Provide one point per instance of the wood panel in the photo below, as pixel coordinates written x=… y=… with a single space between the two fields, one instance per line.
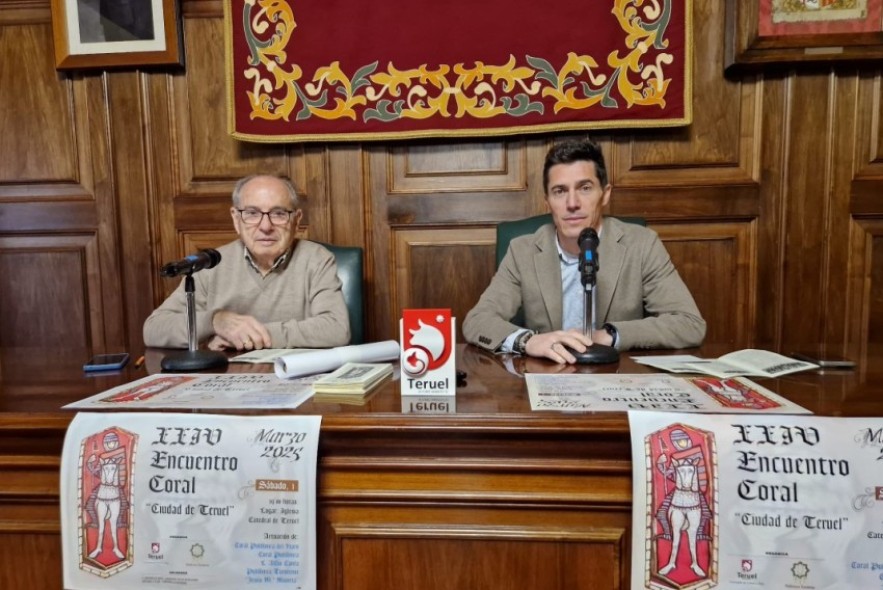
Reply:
x=441 y=268
x=452 y=556
x=712 y=256
x=52 y=293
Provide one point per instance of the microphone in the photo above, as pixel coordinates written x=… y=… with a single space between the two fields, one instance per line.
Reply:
x=205 y=258
x=588 y=255
x=596 y=354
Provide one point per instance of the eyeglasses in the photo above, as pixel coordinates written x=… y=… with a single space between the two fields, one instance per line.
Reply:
x=256 y=216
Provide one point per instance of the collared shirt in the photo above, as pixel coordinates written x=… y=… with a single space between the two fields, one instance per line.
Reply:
x=573 y=307
x=278 y=263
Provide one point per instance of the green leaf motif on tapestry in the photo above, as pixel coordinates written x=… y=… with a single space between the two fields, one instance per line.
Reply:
x=547 y=72
x=607 y=101
x=522 y=106
x=382 y=112
x=305 y=113
x=360 y=78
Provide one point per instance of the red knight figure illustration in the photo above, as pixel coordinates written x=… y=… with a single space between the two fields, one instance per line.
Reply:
x=732 y=393
x=682 y=491
x=105 y=500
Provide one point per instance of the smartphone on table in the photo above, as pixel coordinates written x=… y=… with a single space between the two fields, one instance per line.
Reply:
x=107 y=362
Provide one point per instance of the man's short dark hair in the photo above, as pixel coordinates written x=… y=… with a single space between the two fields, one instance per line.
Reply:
x=573 y=150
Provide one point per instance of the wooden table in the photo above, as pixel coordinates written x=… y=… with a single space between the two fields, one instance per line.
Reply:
x=474 y=492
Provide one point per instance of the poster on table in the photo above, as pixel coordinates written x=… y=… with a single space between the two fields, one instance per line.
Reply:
x=162 y=501
x=586 y=392
x=191 y=391
x=750 y=501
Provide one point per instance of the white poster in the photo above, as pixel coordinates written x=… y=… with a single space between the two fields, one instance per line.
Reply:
x=191 y=391
x=582 y=392
x=748 y=501
x=171 y=501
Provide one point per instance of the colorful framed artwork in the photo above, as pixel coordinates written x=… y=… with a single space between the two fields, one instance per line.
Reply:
x=115 y=33
x=794 y=31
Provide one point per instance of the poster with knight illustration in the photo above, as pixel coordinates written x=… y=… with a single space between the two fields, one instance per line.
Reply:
x=736 y=501
x=171 y=501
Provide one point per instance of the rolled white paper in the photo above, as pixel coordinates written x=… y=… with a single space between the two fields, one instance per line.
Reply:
x=324 y=361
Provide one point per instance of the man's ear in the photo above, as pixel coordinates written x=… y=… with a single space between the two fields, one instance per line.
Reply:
x=608 y=191
x=236 y=218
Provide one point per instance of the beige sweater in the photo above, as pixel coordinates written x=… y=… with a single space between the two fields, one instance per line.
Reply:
x=300 y=303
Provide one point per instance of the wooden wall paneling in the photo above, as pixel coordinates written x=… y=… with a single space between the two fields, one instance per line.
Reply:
x=476 y=188
x=720 y=147
x=869 y=146
x=209 y=158
x=32 y=94
x=845 y=117
x=773 y=147
x=865 y=320
x=716 y=261
x=452 y=556
x=444 y=268
x=129 y=124
x=18 y=549
x=808 y=168
x=55 y=296
x=107 y=207
x=404 y=196
x=53 y=183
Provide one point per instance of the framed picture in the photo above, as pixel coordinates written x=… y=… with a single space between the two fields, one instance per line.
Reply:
x=115 y=33
x=762 y=32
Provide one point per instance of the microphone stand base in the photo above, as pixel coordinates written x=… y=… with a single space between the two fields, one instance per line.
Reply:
x=596 y=354
x=193 y=360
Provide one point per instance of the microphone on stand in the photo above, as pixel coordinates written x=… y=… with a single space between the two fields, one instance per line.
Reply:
x=596 y=354
x=192 y=359
x=206 y=258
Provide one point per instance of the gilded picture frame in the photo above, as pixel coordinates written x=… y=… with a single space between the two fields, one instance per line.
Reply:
x=116 y=33
x=787 y=32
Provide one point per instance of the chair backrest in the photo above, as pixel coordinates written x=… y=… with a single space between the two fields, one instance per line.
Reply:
x=349 y=271
x=506 y=230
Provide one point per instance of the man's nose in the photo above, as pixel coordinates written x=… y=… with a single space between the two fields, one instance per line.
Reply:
x=572 y=200
x=265 y=225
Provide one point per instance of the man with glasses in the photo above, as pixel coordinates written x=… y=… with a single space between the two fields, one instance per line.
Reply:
x=270 y=290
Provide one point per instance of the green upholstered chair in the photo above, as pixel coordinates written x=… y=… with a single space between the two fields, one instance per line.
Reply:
x=506 y=230
x=349 y=270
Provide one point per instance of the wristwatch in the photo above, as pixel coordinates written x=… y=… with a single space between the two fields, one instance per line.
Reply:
x=611 y=329
x=520 y=344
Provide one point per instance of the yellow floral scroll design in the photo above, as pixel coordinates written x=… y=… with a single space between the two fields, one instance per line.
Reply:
x=482 y=91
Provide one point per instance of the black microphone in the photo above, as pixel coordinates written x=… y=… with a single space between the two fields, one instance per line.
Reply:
x=206 y=258
x=588 y=255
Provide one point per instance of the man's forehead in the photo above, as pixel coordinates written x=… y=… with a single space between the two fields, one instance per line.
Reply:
x=265 y=192
x=579 y=170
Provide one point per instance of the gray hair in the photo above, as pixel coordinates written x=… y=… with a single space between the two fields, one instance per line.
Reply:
x=237 y=190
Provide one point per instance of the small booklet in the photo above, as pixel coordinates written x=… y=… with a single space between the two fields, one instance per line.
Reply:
x=353 y=378
x=266 y=355
x=749 y=362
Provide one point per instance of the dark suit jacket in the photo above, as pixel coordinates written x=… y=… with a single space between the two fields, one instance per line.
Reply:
x=638 y=290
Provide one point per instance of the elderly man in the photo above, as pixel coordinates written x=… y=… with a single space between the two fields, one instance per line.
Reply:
x=270 y=290
x=642 y=301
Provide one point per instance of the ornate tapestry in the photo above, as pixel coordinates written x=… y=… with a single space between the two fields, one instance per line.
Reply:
x=341 y=70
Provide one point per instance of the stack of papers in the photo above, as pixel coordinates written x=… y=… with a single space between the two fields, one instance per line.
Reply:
x=353 y=378
x=749 y=362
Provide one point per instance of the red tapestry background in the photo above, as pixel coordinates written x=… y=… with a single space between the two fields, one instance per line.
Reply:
x=345 y=70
